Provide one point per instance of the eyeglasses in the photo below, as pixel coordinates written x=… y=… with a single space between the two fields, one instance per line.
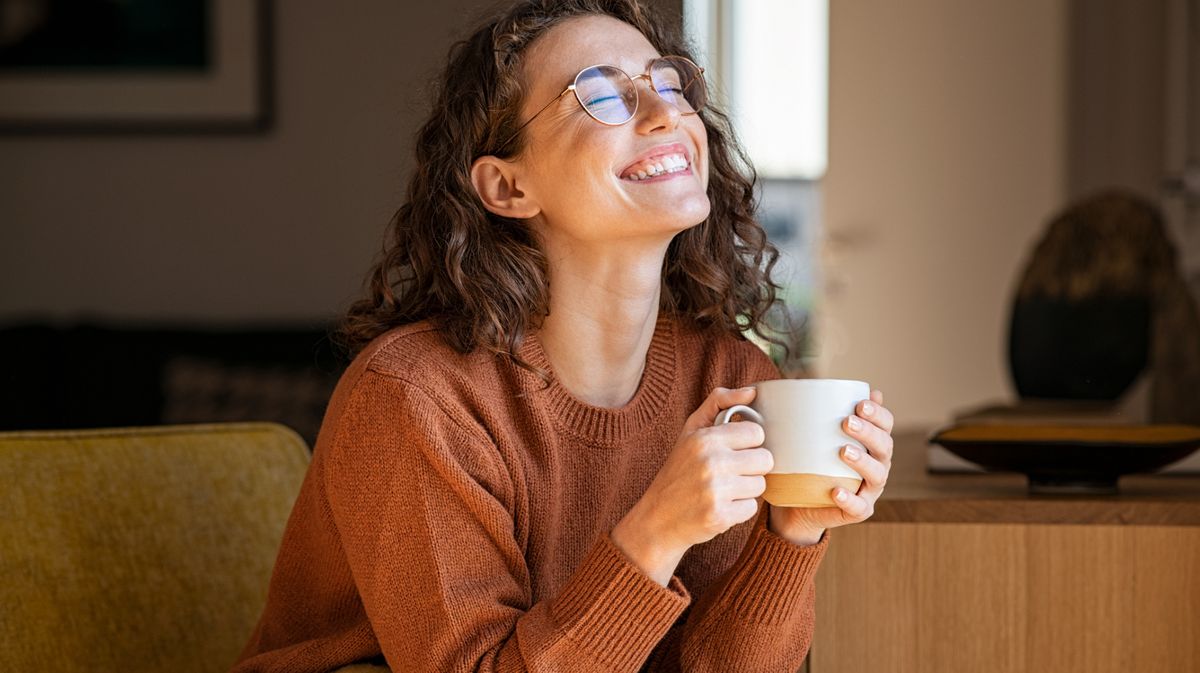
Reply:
x=609 y=95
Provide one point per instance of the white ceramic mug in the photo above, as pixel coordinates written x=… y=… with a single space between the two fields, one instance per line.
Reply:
x=802 y=420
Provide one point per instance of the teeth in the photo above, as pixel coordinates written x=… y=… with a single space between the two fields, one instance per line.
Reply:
x=672 y=163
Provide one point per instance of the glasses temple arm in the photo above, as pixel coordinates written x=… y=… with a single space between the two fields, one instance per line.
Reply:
x=529 y=121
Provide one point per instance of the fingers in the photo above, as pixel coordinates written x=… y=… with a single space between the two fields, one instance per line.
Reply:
x=876 y=413
x=736 y=435
x=877 y=440
x=753 y=461
x=856 y=507
x=737 y=447
x=748 y=487
x=851 y=507
x=874 y=473
x=743 y=510
x=718 y=399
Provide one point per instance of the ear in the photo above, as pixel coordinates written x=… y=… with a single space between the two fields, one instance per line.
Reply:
x=495 y=181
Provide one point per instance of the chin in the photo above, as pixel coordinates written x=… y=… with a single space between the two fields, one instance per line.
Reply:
x=671 y=217
x=678 y=222
x=692 y=211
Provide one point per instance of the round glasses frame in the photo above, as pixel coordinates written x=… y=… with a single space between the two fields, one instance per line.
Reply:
x=574 y=88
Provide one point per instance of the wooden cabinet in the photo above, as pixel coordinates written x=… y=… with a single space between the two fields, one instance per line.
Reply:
x=962 y=573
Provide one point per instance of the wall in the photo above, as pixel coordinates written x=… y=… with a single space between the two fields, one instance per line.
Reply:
x=278 y=227
x=220 y=229
x=947 y=155
x=1117 y=96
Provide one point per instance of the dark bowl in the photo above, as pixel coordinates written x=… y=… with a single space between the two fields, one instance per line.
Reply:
x=1071 y=459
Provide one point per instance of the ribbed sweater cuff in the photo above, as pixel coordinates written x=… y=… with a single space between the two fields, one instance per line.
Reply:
x=769 y=578
x=616 y=611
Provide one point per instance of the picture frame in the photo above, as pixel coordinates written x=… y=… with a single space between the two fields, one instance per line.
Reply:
x=227 y=90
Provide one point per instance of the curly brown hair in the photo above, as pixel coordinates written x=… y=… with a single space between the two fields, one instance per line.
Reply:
x=481 y=278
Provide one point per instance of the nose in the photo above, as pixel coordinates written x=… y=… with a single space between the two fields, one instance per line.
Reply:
x=654 y=113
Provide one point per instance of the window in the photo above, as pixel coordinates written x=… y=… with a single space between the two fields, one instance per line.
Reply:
x=768 y=65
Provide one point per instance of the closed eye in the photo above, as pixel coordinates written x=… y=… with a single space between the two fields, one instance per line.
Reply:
x=602 y=100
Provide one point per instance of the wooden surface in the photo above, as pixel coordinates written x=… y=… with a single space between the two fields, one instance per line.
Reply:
x=958 y=573
x=929 y=598
x=1105 y=434
x=914 y=496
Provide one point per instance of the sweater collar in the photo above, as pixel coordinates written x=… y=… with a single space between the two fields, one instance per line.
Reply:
x=600 y=425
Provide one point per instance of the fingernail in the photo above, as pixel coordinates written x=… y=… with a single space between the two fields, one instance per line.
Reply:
x=855 y=424
x=841 y=496
x=868 y=408
x=852 y=453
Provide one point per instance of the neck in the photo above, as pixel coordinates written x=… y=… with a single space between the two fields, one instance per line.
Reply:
x=603 y=310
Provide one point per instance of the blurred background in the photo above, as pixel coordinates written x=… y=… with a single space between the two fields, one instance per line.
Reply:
x=183 y=217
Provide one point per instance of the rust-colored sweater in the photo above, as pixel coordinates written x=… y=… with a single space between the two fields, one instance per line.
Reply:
x=456 y=514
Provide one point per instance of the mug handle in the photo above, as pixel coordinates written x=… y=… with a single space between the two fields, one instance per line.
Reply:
x=724 y=416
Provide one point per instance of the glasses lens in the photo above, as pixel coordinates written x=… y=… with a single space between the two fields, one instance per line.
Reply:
x=607 y=94
x=680 y=82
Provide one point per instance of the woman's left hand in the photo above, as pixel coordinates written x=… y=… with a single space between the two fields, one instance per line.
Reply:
x=872 y=426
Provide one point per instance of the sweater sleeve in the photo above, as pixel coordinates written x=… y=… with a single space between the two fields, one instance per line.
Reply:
x=759 y=615
x=423 y=505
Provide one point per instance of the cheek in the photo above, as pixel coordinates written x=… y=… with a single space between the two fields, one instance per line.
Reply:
x=580 y=161
x=570 y=189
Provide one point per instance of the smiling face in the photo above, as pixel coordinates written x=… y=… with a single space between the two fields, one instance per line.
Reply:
x=592 y=182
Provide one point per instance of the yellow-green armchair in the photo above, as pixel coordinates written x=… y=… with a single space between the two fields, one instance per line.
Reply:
x=140 y=549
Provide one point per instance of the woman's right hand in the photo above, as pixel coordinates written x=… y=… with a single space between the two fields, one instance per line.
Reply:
x=707 y=485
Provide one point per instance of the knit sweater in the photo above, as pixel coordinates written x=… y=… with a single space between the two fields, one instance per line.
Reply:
x=456 y=517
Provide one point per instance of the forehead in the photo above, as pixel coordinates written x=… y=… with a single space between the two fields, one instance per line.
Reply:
x=554 y=58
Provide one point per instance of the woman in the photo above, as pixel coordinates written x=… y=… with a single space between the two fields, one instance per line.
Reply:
x=519 y=471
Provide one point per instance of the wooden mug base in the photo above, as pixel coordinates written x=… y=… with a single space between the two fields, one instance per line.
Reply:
x=805 y=490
